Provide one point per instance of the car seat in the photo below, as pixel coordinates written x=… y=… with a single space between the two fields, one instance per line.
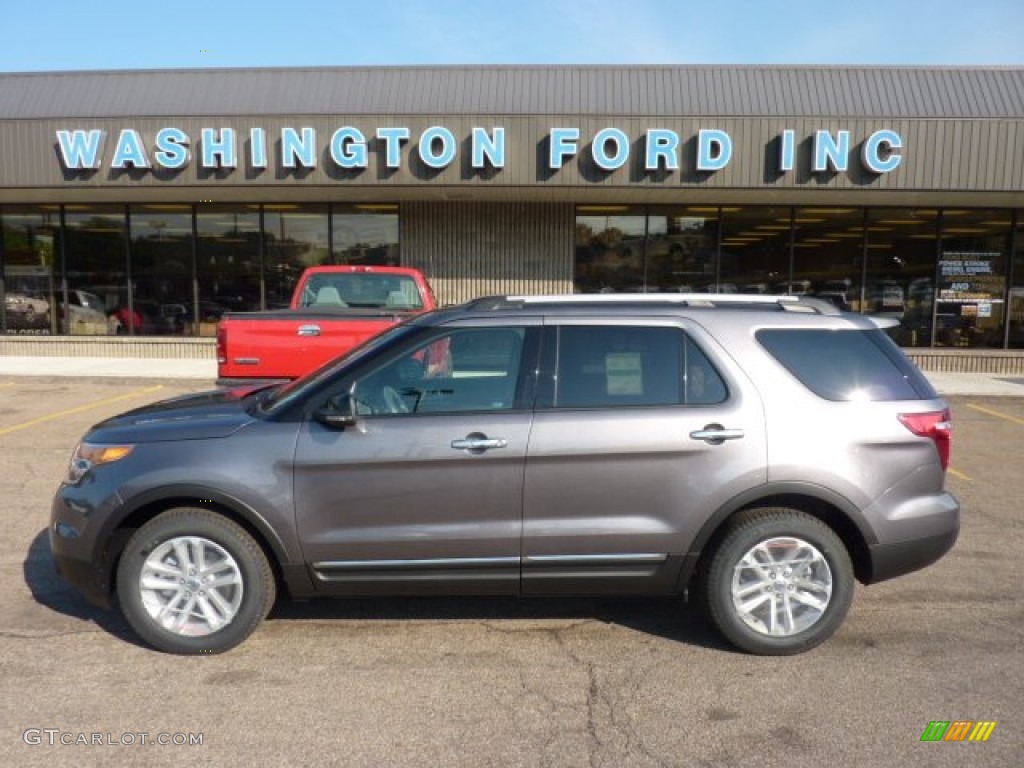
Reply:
x=328 y=296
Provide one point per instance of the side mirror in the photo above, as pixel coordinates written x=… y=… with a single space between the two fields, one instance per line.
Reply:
x=339 y=413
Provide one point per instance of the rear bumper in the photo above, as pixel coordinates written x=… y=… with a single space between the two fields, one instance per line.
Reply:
x=911 y=533
x=891 y=560
x=234 y=383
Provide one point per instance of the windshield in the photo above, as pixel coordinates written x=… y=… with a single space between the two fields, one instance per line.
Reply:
x=91 y=301
x=285 y=394
x=364 y=290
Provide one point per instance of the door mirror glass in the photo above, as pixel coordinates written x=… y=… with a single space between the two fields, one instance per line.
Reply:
x=339 y=412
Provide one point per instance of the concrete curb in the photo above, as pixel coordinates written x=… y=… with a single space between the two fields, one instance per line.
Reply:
x=979 y=384
x=113 y=367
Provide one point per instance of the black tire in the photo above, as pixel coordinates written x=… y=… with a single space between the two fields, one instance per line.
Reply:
x=230 y=553
x=778 y=525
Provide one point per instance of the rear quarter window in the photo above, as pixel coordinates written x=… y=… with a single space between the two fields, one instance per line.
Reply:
x=848 y=365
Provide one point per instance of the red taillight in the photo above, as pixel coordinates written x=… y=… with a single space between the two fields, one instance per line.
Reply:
x=222 y=346
x=935 y=425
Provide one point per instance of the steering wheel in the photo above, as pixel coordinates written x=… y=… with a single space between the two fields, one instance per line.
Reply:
x=394 y=401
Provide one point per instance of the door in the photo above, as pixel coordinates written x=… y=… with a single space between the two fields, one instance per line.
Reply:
x=639 y=436
x=424 y=493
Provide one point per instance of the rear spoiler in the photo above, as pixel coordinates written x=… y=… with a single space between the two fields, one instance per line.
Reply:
x=882 y=322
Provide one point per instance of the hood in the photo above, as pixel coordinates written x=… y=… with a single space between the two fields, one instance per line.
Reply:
x=200 y=416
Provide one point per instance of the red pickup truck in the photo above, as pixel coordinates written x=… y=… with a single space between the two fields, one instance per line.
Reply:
x=333 y=310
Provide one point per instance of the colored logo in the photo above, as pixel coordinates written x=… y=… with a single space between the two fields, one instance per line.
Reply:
x=958 y=730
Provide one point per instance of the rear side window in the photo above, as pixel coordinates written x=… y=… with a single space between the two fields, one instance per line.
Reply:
x=612 y=366
x=847 y=365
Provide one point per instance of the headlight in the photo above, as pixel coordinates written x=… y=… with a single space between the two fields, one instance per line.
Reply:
x=87 y=456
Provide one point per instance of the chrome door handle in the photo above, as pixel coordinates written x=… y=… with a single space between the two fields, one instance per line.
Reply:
x=479 y=444
x=716 y=434
x=308 y=330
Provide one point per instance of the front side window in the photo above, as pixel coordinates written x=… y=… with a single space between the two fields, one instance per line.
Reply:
x=465 y=369
x=614 y=366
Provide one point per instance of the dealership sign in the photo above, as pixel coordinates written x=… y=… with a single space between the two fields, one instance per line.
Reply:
x=437 y=147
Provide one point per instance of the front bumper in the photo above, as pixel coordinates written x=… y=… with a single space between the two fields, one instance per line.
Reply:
x=80 y=555
x=83 y=576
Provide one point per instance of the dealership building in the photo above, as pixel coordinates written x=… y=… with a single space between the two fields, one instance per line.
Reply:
x=177 y=195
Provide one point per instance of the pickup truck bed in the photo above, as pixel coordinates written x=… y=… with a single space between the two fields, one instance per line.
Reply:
x=291 y=342
x=333 y=309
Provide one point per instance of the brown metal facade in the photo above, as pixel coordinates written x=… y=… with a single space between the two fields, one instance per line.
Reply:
x=962 y=132
x=479 y=249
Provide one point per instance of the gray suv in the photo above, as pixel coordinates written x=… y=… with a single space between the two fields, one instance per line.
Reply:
x=759 y=453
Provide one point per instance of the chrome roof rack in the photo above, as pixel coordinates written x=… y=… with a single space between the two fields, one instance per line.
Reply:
x=722 y=300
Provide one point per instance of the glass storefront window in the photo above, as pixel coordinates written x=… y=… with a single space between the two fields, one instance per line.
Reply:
x=28 y=248
x=755 y=251
x=610 y=249
x=828 y=249
x=161 y=270
x=972 y=277
x=229 y=269
x=95 y=257
x=294 y=237
x=167 y=280
x=901 y=246
x=681 y=249
x=365 y=234
x=945 y=274
x=1015 y=312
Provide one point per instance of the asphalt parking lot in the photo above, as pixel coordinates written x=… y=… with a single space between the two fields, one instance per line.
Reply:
x=482 y=682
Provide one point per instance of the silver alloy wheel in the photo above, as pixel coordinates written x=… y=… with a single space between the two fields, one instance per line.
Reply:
x=191 y=586
x=781 y=586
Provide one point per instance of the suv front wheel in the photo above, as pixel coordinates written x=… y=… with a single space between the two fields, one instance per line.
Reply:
x=780 y=582
x=190 y=581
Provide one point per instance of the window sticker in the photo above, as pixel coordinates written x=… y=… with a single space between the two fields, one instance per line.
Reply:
x=624 y=373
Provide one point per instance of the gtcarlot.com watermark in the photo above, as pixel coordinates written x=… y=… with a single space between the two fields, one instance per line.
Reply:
x=55 y=737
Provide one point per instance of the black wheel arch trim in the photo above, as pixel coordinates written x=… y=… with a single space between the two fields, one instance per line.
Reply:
x=198 y=494
x=766 y=493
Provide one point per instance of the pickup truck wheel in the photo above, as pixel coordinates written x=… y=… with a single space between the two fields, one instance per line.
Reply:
x=779 y=583
x=394 y=400
x=191 y=581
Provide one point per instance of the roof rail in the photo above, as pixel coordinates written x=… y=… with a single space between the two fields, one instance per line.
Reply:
x=786 y=303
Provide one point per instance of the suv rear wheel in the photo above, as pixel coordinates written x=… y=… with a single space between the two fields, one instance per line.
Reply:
x=191 y=581
x=780 y=582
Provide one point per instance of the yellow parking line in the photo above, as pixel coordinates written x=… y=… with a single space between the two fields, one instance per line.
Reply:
x=1006 y=416
x=957 y=474
x=79 y=409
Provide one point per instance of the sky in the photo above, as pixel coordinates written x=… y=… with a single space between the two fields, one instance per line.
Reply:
x=113 y=34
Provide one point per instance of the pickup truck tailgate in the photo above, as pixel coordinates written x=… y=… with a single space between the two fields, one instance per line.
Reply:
x=286 y=344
